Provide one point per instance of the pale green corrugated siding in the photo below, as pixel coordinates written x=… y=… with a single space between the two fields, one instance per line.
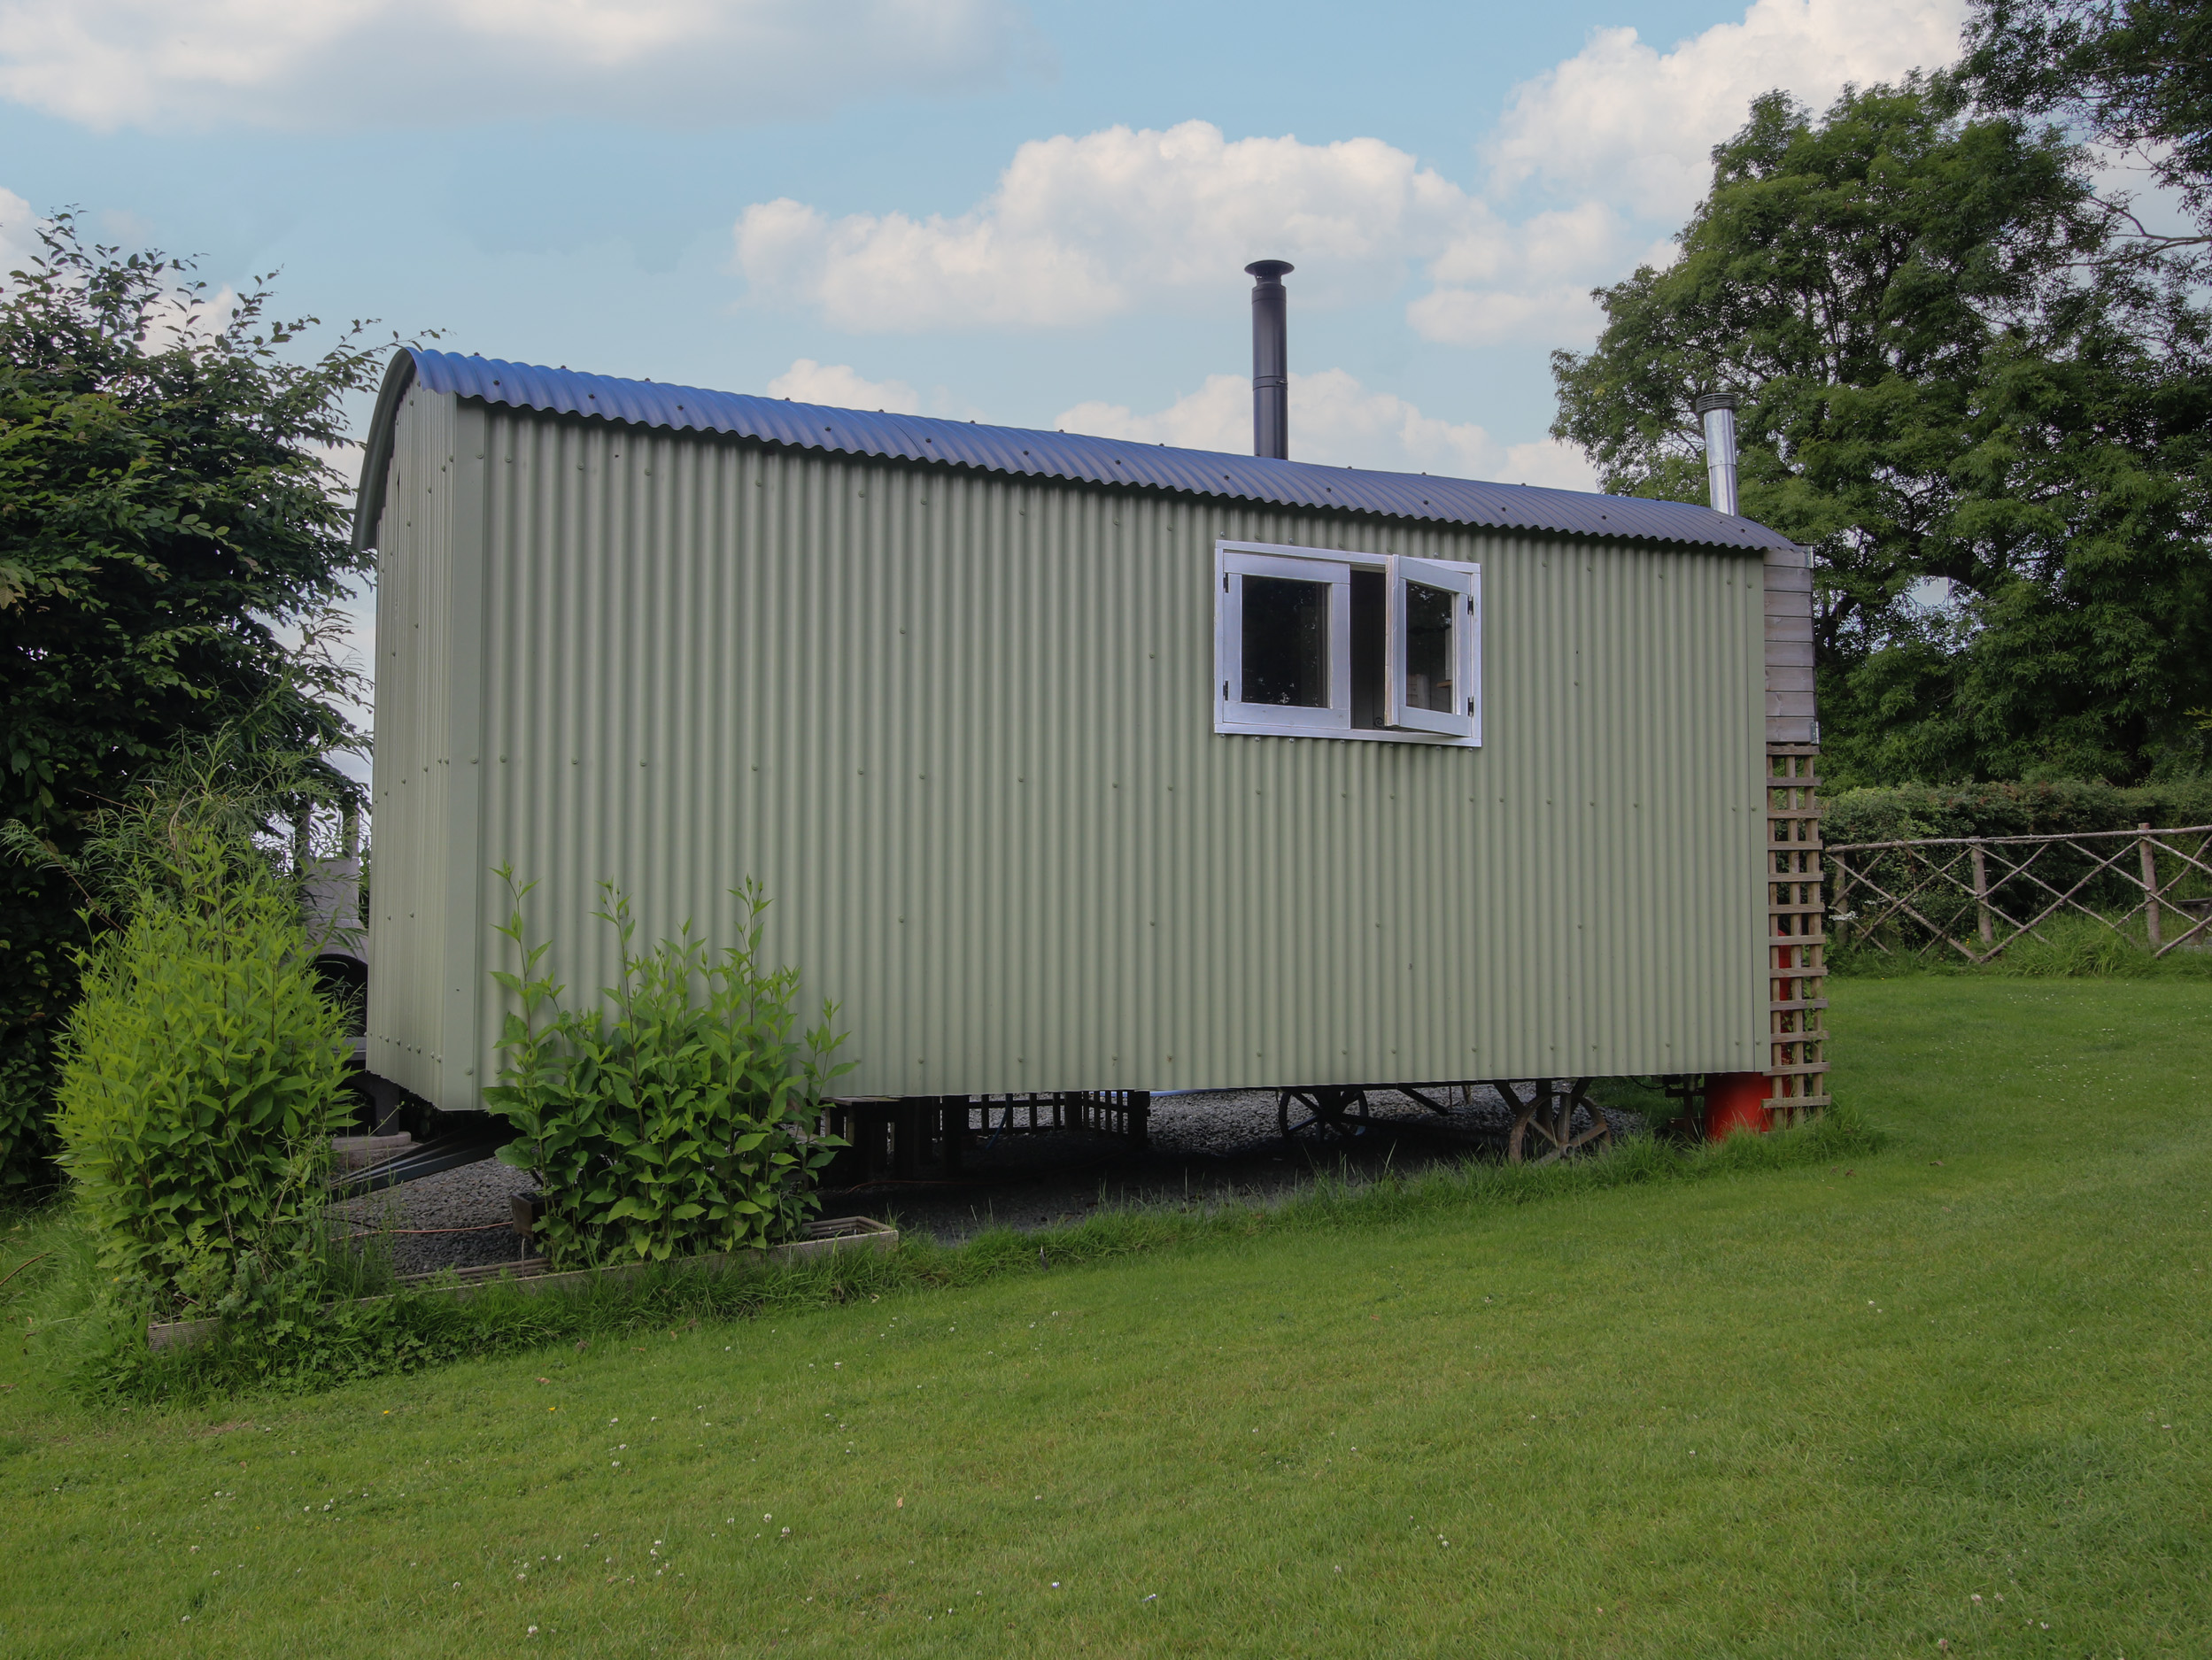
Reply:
x=412 y=802
x=961 y=725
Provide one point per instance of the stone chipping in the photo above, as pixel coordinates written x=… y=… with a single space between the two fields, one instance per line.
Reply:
x=1206 y=1147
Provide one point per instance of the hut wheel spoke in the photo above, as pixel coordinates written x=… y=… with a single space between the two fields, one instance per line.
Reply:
x=1553 y=1124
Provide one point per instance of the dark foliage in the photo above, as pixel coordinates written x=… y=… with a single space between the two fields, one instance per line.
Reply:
x=2133 y=74
x=1988 y=416
x=165 y=511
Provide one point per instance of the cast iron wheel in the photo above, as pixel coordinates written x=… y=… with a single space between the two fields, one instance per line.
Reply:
x=1554 y=1124
x=1328 y=1111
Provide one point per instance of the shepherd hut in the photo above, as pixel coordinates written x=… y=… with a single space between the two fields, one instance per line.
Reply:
x=1077 y=766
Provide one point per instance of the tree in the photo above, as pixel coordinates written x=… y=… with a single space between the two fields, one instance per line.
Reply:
x=166 y=514
x=1989 y=424
x=2132 y=74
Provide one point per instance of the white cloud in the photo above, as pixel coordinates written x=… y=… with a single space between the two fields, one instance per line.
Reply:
x=1562 y=241
x=175 y=316
x=1530 y=282
x=1083 y=228
x=183 y=315
x=1080 y=229
x=335 y=63
x=1560 y=315
x=18 y=234
x=1337 y=421
x=840 y=386
x=1630 y=125
x=1216 y=416
x=1548 y=462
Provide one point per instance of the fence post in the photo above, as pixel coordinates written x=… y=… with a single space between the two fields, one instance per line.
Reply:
x=1987 y=922
x=2148 y=848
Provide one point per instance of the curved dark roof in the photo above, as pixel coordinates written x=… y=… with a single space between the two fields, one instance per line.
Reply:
x=1015 y=451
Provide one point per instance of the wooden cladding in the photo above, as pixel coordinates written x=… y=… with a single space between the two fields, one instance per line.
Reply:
x=1790 y=705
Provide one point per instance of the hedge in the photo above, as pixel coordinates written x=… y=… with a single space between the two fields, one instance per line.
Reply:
x=1915 y=811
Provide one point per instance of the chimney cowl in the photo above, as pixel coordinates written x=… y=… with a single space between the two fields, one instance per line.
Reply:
x=1271 y=358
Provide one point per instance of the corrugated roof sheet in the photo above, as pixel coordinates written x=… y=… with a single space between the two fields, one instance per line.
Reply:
x=1075 y=457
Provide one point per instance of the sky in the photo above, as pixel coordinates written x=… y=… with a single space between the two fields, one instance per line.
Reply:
x=1034 y=213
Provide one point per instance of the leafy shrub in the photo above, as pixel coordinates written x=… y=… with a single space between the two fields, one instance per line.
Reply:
x=169 y=518
x=675 y=1122
x=202 y=1079
x=1916 y=812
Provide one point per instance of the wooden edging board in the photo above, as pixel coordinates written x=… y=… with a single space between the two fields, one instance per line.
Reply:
x=823 y=1238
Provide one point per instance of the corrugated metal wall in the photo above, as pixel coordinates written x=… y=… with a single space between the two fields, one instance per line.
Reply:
x=959 y=725
x=412 y=805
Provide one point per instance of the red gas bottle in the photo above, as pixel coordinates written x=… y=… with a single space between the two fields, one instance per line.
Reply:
x=1735 y=1100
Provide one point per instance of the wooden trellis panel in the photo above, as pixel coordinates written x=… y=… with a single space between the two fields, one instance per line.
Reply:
x=1796 y=941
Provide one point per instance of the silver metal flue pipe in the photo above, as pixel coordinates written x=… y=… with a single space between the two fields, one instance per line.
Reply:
x=1717 y=410
x=1271 y=358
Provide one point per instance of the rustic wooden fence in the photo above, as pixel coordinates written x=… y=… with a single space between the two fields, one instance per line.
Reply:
x=1979 y=894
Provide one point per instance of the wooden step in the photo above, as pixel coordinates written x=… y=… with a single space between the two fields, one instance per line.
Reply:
x=357 y=1153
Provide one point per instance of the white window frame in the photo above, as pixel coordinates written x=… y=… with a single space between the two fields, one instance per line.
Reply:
x=1334 y=566
x=1313 y=722
x=1462 y=583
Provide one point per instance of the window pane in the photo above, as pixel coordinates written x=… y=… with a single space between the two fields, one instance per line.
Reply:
x=1429 y=613
x=1286 y=642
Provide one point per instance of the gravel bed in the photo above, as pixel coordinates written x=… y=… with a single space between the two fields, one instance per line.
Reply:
x=1207 y=1147
x=466 y=1197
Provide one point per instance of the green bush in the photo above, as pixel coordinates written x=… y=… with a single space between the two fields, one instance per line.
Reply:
x=167 y=519
x=1916 y=812
x=677 y=1121
x=202 y=1079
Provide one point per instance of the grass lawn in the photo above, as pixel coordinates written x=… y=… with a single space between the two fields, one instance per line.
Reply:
x=1960 y=1391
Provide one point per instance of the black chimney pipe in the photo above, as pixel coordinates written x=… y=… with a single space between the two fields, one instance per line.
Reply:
x=1271 y=358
